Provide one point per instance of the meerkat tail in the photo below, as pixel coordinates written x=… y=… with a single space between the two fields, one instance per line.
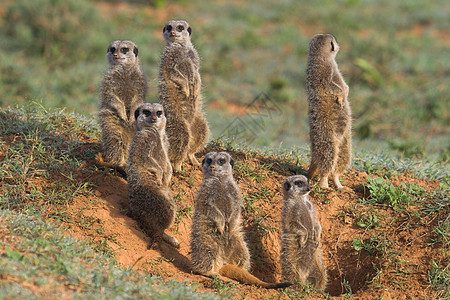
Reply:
x=171 y=240
x=245 y=277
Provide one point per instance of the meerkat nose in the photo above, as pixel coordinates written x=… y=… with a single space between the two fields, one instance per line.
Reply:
x=212 y=167
x=172 y=33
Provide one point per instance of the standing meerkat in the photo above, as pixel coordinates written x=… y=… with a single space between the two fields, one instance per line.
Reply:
x=217 y=241
x=301 y=253
x=123 y=89
x=329 y=112
x=149 y=174
x=179 y=93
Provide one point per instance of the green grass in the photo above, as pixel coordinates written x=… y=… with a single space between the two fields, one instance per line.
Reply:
x=393 y=56
x=39 y=261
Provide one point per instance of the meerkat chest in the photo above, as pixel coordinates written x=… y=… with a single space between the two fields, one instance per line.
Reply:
x=303 y=213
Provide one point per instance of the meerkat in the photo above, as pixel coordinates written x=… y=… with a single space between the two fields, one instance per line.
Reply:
x=123 y=89
x=301 y=253
x=328 y=111
x=217 y=240
x=149 y=174
x=179 y=93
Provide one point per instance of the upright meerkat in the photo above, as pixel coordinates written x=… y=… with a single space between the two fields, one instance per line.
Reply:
x=329 y=112
x=217 y=241
x=301 y=253
x=149 y=174
x=179 y=93
x=123 y=89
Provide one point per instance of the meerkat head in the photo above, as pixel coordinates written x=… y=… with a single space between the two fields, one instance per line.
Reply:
x=177 y=31
x=296 y=186
x=150 y=115
x=217 y=164
x=324 y=45
x=122 y=53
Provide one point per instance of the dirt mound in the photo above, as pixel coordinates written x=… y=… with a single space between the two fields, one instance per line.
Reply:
x=103 y=218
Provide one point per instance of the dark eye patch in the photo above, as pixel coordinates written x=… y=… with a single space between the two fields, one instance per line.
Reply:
x=287 y=186
x=180 y=28
x=159 y=113
x=169 y=28
x=146 y=112
x=209 y=161
x=299 y=183
x=222 y=161
x=124 y=50
x=112 y=50
x=332 y=46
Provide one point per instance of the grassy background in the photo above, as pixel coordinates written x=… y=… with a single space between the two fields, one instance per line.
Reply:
x=394 y=56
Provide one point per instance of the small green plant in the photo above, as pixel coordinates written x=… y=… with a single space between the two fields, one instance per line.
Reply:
x=385 y=193
x=439 y=277
x=368 y=220
x=226 y=289
x=441 y=233
x=373 y=245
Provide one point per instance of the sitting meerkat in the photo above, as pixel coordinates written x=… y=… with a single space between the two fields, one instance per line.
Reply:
x=149 y=174
x=328 y=111
x=301 y=253
x=179 y=93
x=123 y=89
x=217 y=241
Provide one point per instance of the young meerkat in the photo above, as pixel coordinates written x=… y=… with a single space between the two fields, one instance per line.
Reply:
x=217 y=241
x=328 y=111
x=149 y=174
x=123 y=89
x=179 y=93
x=301 y=253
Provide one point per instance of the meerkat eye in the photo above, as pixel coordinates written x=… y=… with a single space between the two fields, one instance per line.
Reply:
x=169 y=28
x=112 y=50
x=299 y=183
x=159 y=113
x=221 y=161
x=146 y=112
x=180 y=28
x=209 y=161
x=124 y=50
x=332 y=46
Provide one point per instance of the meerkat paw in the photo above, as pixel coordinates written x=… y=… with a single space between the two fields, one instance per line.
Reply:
x=177 y=166
x=193 y=160
x=323 y=182
x=336 y=182
x=171 y=240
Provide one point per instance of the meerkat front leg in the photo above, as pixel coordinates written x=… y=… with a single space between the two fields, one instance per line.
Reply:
x=302 y=234
x=182 y=82
x=119 y=107
x=217 y=217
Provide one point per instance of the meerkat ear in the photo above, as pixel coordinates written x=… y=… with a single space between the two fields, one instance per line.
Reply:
x=203 y=162
x=164 y=29
x=189 y=30
x=287 y=186
x=107 y=50
x=136 y=51
x=232 y=163
x=136 y=114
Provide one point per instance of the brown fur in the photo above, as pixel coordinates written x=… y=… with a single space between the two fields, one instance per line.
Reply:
x=179 y=93
x=149 y=174
x=217 y=241
x=329 y=112
x=123 y=89
x=301 y=253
